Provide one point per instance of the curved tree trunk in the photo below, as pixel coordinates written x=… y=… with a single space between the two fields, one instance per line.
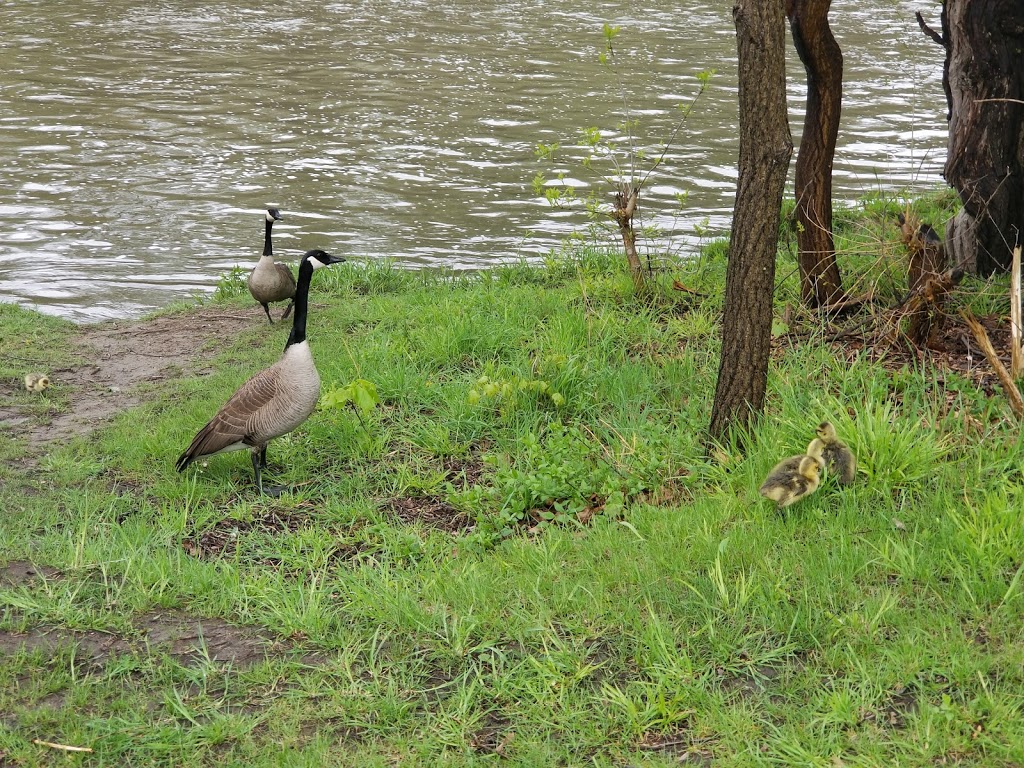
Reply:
x=820 y=281
x=984 y=42
x=765 y=149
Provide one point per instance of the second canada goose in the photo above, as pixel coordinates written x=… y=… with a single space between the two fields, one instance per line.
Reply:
x=36 y=382
x=274 y=401
x=794 y=478
x=269 y=281
x=836 y=454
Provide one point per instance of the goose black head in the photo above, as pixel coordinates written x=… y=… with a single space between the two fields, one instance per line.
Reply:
x=318 y=258
x=273 y=214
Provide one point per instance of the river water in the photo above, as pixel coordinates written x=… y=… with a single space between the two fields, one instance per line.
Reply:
x=140 y=142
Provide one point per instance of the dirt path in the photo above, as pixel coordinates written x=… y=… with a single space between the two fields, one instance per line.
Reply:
x=120 y=356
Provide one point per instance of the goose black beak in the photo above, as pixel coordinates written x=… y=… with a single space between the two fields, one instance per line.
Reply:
x=335 y=259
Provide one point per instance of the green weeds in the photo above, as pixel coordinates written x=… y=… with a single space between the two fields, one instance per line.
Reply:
x=514 y=578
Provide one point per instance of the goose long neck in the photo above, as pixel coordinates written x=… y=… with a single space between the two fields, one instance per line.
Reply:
x=298 y=334
x=268 y=246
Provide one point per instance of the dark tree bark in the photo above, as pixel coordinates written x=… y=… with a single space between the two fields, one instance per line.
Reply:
x=984 y=69
x=765 y=149
x=626 y=201
x=820 y=281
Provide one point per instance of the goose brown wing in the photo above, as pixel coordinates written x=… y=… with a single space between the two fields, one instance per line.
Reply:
x=234 y=422
x=286 y=280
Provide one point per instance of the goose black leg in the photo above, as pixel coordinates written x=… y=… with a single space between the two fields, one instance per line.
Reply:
x=288 y=310
x=259 y=462
x=256 y=468
x=266 y=308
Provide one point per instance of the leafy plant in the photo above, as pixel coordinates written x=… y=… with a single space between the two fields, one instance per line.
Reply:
x=629 y=169
x=360 y=393
x=231 y=284
x=564 y=475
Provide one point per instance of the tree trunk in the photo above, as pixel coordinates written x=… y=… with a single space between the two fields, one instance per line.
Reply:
x=820 y=281
x=984 y=41
x=626 y=201
x=765 y=149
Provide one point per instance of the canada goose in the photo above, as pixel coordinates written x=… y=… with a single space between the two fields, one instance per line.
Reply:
x=36 y=382
x=793 y=478
x=274 y=401
x=270 y=281
x=836 y=454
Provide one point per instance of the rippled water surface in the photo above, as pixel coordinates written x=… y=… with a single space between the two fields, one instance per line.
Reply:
x=140 y=144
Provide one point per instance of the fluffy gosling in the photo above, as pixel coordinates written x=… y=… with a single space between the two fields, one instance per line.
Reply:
x=836 y=454
x=794 y=478
x=36 y=382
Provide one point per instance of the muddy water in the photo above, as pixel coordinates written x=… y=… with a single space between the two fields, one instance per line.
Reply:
x=140 y=141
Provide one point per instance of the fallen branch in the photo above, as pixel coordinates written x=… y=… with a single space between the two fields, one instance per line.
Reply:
x=1009 y=385
x=63 y=747
x=847 y=302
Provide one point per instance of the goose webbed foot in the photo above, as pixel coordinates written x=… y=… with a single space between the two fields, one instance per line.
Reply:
x=259 y=463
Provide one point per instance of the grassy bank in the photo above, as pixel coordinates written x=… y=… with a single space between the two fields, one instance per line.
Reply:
x=521 y=555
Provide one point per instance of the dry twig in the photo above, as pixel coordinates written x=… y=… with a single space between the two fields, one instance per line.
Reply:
x=1009 y=385
x=63 y=747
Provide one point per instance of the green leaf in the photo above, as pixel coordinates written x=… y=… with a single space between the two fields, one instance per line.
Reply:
x=364 y=395
x=361 y=393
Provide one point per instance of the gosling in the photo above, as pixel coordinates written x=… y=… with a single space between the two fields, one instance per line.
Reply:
x=36 y=382
x=794 y=478
x=836 y=454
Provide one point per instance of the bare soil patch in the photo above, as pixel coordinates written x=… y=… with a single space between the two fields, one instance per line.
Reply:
x=494 y=737
x=122 y=355
x=91 y=647
x=188 y=639
x=434 y=511
x=431 y=511
x=680 y=745
x=19 y=573
x=466 y=472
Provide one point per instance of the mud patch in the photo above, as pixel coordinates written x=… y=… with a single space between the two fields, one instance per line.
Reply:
x=12 y=416
x=18 y=573
x=893 y=714
x=430 y=511
x=494 y=737
x=679 y=745
x=191 y=640
x=466 y=472
x=187 y=639
x=91 y=647
x=122 y=355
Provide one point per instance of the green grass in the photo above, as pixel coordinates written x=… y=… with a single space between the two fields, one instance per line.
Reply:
x=877 y=624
